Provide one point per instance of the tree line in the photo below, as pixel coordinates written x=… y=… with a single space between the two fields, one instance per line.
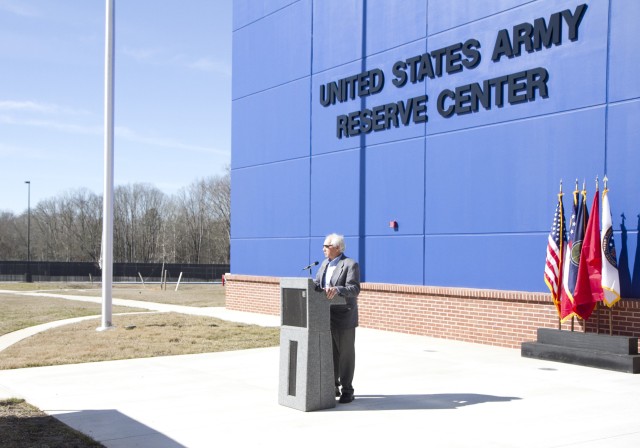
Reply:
x=149 y=226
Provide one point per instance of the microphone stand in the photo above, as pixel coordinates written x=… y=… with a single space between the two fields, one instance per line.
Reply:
x=308 y=268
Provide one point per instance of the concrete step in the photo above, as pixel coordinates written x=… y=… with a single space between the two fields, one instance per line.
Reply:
x=622 y=345
x=619 y=353
x=582 y=356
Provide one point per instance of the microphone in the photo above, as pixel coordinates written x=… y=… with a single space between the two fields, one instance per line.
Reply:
x=315 y=263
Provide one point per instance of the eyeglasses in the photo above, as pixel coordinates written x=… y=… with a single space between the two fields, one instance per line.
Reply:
x=327 y=246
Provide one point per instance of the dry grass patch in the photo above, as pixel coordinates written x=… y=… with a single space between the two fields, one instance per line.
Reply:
x=199 y=295
x=18 y=312
x=187 y=295
x=23 y=425
x=35 y=286
x=136 y=336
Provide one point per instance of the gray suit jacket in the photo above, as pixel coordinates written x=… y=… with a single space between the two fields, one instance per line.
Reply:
x=346 y=278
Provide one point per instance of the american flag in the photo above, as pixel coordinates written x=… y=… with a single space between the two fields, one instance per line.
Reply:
x=555 y=253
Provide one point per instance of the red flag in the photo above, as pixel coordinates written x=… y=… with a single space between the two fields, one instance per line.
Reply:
x=589 y=282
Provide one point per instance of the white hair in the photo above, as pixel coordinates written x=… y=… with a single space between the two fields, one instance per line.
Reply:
x=336 y=241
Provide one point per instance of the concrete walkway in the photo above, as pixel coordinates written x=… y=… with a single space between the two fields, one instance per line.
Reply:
x=410 y=391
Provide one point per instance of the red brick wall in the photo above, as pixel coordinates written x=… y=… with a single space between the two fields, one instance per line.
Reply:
x=502 y=318
x=252 y=294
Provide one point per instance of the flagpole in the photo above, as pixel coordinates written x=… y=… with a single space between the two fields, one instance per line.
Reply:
x=597 y=303
x=610 y=308
x=107 y=205
x=576 y=192
x=584 y=200
x=605 y=180
x=610 y=321
x=561 y=260
x=554 y=260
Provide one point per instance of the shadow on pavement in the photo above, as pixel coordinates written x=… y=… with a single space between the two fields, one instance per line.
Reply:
x=114 y=428
x=418 y=401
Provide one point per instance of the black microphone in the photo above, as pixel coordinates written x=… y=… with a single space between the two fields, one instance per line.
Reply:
x=315 y=263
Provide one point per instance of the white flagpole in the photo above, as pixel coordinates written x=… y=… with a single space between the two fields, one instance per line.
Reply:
x=107 y=205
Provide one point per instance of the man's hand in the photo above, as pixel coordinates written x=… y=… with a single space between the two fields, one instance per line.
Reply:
x=331 y=292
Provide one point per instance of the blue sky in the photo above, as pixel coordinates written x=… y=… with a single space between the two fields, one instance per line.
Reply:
x=172 y=95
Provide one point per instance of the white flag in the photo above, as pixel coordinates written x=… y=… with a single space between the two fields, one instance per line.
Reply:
x=610 y=277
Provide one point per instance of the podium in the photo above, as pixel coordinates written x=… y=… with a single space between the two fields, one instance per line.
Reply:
x=306 y=353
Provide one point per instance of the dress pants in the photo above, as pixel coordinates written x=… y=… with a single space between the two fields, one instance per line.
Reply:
x=344 y=357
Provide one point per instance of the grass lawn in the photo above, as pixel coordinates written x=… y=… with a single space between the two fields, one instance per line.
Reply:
x=135 y=336
x=18 y=312
x=188 y=294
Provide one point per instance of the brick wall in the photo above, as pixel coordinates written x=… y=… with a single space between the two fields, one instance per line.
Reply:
x=502 y=318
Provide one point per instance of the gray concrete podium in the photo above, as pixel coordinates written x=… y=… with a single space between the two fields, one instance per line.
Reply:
x=306 y=357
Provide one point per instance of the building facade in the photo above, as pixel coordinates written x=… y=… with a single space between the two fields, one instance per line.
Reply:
x=434 y=135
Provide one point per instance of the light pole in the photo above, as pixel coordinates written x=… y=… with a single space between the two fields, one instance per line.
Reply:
x=28 y=275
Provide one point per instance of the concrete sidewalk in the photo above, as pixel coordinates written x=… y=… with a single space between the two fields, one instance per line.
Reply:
x=410 y=390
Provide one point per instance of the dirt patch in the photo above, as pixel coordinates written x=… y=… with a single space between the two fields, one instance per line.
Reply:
x=23 y=425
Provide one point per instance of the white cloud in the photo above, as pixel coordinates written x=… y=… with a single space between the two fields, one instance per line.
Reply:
x=21 y=152
x=159 y=56
x=209 y=65
x=16 y=113
x=18 y=8
x=36 y=107
x=161 y=142
x=50 y=124
x=142 y=54
x=28 y=106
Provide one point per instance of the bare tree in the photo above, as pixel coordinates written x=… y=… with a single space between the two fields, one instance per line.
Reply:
x=219 y=195
x=192 y=226
x=48 y=235
x=87 y=225
x=171 y=234
x=138 y=223
x=193 y=204
x=11 y=247
x=201 y=227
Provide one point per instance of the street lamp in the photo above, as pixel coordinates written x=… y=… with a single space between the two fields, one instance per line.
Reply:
x=28 y=275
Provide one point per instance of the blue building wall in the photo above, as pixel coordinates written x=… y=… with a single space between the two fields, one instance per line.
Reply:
x=473 y=194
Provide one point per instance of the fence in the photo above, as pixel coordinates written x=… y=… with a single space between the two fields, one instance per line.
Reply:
x=53 y=271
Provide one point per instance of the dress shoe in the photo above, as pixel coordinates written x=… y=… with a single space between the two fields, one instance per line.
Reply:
x=346 y=398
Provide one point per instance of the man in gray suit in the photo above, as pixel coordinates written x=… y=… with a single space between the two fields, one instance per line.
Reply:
x=340 y=276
